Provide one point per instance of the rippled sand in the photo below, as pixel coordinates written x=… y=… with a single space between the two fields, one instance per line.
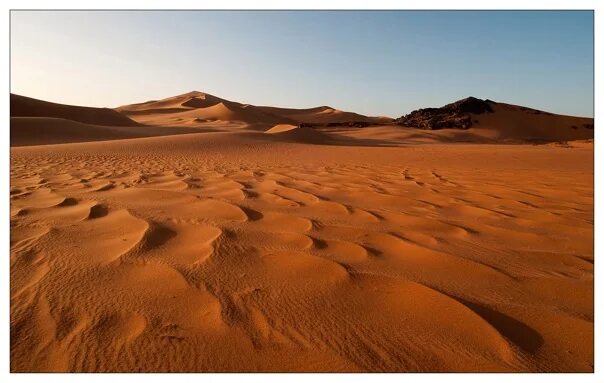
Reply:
x=239 y=252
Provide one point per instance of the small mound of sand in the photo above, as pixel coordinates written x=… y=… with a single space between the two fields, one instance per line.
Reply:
x=294 y=133
x=280 y=128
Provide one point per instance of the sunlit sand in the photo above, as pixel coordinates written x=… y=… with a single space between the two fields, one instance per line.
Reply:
x=199 y=234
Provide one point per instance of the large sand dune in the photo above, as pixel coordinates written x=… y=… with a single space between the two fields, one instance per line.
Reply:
x=500 y=122
x=196 y=108
x=21 y=106
x=37 y=122
x=292 y=248
x=520 y=123
x=47 y=130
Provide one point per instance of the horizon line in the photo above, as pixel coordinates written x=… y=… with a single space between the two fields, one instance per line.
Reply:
x=298 y=107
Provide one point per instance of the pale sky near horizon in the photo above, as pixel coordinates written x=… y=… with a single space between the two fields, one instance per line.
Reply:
x=370 y=62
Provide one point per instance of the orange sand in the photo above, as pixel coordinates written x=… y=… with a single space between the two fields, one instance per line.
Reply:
x=373 y=249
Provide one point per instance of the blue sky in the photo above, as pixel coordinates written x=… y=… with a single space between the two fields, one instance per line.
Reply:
x=371 y=62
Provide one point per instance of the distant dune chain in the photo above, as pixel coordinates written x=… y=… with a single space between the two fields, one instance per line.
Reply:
x=37 y=122
x=230 y=251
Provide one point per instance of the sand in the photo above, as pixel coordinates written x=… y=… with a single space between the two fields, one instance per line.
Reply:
x=21 y=106
x=198 y=108
x=374 y=249
x=517 y=123
x=26 y=131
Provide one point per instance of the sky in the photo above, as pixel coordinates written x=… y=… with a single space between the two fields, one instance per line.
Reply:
x=371 y=62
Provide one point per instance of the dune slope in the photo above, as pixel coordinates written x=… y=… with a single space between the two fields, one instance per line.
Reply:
x=196 y=108
x=25 y=131
x=293 y=133
x=21 y=106
x=322 y=115
x=500 y=121
x=516 y=122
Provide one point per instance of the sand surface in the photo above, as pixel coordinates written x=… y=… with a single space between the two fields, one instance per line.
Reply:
x=386 y=250
x=27 y=131
x=21 y=106
x=199 y=108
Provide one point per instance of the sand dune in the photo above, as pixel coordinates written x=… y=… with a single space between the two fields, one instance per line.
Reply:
x=227 y=111
x=197 y=108
x=500 y=122
x=201 y=112
x=21 y=106
x=322 y=114
x=37 y=122
x=47 y=130
x=242 y=251
x=293 y=133
x=187 y=100
x=282 y=128
x=520 y=123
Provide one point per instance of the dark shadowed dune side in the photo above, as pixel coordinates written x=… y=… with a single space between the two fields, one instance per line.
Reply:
x=323 y=115
x=27 y=131
x=522 y=123
x=21 y=106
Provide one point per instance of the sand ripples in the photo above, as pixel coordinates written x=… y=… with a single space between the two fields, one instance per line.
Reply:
x=169 y=267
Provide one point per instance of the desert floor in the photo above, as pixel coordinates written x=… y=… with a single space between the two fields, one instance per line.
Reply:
x=240 y=251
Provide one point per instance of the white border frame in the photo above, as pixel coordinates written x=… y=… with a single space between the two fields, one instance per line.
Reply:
x=597 y=6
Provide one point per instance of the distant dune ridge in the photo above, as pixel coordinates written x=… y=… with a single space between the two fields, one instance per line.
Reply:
x=323 y=114
x=198 y=107
x=36 y=122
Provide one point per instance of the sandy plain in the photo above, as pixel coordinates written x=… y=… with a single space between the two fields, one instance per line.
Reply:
x=332 y=249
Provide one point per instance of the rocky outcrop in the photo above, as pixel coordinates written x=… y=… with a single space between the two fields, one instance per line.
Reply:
x=457 y=115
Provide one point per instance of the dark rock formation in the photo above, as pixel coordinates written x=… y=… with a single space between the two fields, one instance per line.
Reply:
x=457 y=115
